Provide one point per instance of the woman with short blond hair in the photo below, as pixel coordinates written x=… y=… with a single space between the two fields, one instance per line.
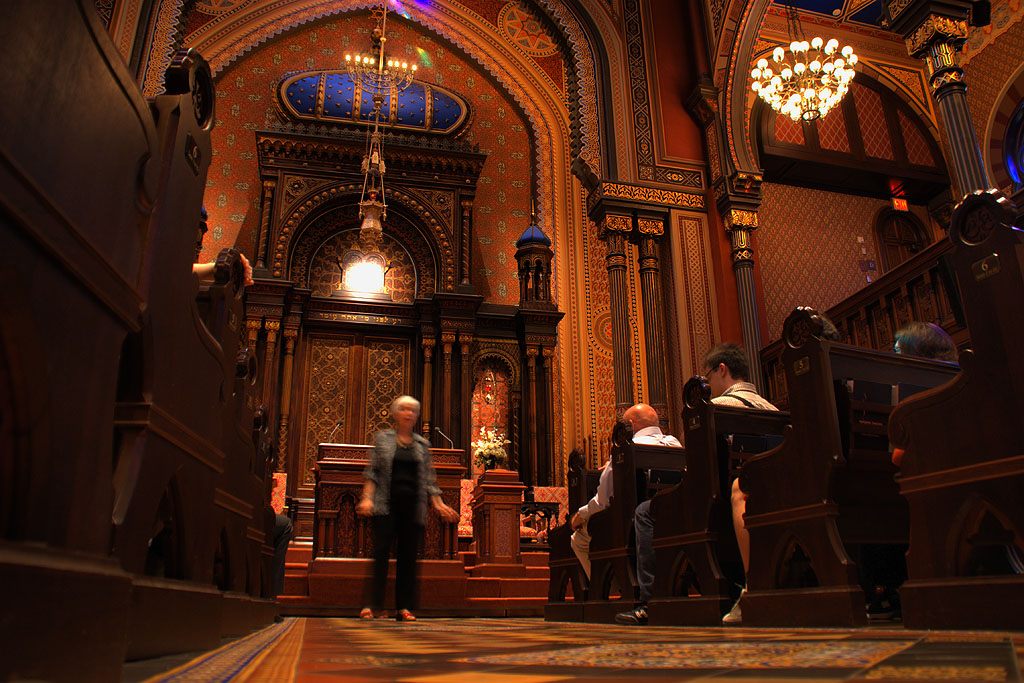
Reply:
x=400 y=481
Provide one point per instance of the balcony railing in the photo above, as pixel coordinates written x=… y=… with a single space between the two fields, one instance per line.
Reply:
x=921 y=288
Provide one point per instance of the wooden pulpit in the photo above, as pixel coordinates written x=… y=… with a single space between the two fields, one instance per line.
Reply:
x=339 y=532
x=343 y=541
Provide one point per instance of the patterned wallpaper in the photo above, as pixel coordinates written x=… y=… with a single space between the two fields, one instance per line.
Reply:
x=245 y=93
x=872 y=122
x=808 y=248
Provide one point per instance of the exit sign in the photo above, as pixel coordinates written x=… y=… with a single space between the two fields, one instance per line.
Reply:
x=900 y=204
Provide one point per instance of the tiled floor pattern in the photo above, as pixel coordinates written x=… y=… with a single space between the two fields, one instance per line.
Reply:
x=533 y=651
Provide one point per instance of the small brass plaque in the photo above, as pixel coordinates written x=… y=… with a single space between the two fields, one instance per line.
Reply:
x=985 y=268
x=802 y=365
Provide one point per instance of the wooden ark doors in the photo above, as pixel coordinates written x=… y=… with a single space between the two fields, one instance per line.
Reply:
x=350 y=380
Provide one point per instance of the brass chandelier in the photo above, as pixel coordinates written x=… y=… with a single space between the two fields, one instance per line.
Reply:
x=808 y=80
x=363 y=270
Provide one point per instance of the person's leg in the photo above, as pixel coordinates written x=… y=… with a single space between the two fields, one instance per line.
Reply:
x=739 y=507
x=282 y=535
x=383 y=529
x=580 y=541
x=643 y=523
x=408 y=534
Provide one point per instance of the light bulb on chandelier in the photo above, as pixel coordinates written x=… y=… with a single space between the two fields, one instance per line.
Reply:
x=806 y=81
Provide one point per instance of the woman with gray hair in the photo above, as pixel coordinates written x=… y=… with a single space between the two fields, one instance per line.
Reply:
x=400 y=481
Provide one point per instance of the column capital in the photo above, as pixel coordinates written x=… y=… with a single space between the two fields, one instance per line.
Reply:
x=740 y=219
x=615 y=223
x=651 y=227
x=936 y=28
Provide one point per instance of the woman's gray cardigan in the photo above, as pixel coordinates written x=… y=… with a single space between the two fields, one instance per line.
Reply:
x=379 y=472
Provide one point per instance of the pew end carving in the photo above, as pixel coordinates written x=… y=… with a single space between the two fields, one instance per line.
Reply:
x=697 y=559
x=828 y=489
x=567 y=583
x=962 y=471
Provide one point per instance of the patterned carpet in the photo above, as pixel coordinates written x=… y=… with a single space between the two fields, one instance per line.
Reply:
x=312 y=650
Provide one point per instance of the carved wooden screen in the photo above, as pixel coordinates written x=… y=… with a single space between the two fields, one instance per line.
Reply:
x=351 y=380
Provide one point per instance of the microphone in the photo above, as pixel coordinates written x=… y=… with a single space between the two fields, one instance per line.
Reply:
x=451 y=444
x=340 y=422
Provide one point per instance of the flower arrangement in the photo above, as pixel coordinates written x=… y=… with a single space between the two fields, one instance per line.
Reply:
x=489 y=449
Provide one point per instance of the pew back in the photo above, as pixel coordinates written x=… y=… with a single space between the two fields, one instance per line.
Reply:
x=828 y=487
x=697 y=560
x=963 y=471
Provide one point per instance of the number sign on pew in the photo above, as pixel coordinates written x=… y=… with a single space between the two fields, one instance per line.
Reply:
x=695 y=546
x=828 y=489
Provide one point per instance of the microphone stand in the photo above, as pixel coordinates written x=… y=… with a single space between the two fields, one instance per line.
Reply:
x=451 y=444
x=336 y=427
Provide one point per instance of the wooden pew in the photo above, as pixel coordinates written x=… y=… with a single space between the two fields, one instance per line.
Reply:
x=612 y=543
x=564 y=570
x=134 y=476
x=77 y=192
x=697 y=559
x=963 y=471
x=828 y=489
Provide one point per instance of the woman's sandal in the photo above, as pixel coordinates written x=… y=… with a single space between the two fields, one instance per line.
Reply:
x=366 y=613
x=405 y=615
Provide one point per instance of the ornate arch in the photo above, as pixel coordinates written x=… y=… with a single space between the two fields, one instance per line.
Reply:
x=251 y=24
x=324 y=199
x=997 y=129
x=733 y=66
x=503 y=355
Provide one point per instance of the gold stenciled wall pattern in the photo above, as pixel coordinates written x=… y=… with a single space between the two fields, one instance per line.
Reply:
x=245 y=92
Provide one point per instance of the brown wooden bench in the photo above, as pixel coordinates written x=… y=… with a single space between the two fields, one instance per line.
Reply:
x=697 y=560
x=564 y=571
x=612 y=551
x=816 y=500
x=963 y=471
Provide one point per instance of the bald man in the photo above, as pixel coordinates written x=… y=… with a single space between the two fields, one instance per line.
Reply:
x=644 y=421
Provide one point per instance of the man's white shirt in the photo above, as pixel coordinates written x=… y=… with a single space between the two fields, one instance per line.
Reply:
x=647 y=435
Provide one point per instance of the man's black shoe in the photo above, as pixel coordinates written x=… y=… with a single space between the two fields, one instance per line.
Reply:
x=636 y=617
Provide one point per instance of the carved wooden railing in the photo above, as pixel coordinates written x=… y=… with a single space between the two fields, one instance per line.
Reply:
x=918 y=289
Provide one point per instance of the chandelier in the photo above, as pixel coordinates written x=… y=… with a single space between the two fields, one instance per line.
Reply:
x=363 y=270
x=809 y=79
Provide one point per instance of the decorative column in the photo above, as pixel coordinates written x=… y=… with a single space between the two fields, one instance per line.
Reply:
x=651 y=230
x=266 y=208
x=269 y=362
x=549 y=402
x=290 y=334
x=252 y=332
x=428 y=383
x=615 y=231
x=447 y=339
x=465 y=399
x=531 y=411
x=467 y=243
x=935 y=30
x=737 y=193
x=740 y=225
